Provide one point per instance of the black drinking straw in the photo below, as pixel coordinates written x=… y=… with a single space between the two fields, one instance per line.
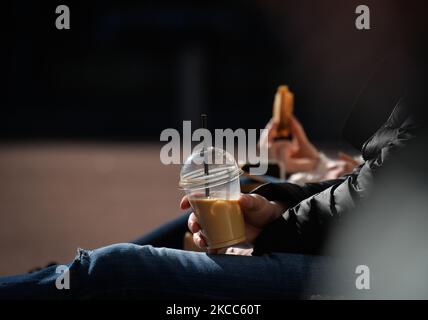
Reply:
x=204 y=125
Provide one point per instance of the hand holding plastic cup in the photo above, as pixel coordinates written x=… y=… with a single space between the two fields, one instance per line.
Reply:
x=210 y=178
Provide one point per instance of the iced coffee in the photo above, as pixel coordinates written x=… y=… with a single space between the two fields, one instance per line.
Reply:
x=211 y=180
x=222 y=221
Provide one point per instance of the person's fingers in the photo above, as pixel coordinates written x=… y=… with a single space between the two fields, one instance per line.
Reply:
x=336 y=171
x=184 y=203
x=280 y=152
x=193 y=224
x=269 y=124
x=294 y=146
x=301 y=164
x=272 y=125
x=279 y=149
x=273 y=131
x=297 y=130
x=344 y=156
x=251 y=202
x=199 y=240
x=268 y=134
x=257 y=212
x=274 y=150
x=350 y=162
x=305 y=147
x=239 y=251
x=252 y=231
x=347 y=158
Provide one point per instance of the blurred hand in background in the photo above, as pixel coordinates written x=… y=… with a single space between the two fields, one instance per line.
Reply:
x=301 y=157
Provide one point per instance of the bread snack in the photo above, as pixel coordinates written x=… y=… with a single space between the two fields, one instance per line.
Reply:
x=282 y=111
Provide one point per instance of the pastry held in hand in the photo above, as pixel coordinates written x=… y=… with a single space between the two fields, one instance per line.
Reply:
x=282 y=111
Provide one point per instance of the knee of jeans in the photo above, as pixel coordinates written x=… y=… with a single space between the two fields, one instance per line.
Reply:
x=118 y=257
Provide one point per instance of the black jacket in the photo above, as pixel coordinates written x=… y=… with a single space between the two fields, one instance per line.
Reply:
x=316 y=207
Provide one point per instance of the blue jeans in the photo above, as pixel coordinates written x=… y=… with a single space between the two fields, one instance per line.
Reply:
x=130 y=270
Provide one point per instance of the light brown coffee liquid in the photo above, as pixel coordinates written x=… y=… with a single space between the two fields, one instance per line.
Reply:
x=221 y=221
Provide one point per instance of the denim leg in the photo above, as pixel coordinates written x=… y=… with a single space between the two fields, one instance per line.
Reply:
x=42 y=284
x=132 y=271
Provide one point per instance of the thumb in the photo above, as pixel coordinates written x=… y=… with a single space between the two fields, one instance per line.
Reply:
x=252 y=202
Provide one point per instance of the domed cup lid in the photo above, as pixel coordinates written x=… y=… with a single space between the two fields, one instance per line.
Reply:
x=208 y=168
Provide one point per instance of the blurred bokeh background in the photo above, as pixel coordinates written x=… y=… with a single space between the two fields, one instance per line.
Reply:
x=82 y=109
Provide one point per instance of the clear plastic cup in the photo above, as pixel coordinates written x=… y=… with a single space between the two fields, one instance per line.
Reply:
x=210 y=178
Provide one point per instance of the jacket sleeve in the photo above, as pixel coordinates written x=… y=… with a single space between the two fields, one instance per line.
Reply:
x=291 y=193
x=305 y=224
x=313 y=208
x=301 y=226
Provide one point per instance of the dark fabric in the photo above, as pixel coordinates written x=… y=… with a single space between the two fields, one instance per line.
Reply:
x=291 y=193
x=315 y=208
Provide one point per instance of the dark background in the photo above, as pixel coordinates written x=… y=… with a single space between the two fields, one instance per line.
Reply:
x=129 y=69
